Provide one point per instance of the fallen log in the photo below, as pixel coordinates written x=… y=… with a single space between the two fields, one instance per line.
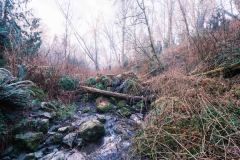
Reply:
x=226 y=72
x=114 y=94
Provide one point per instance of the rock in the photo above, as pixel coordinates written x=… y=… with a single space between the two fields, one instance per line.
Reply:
x=38 y=154
x=54 y=128
x=61 y=155
x=129 y=86
x=120 y=76
x=54 y=138
x=7 y=158
x=47 y=114
x=91 y=130
x=64 y=129
x=30 y=156
x=78 y=142
x=103 y=105
x=56 y=155
x=75 y=156
x=29 y=140
x=7 y=151
x=69 y=139
x=86 y=110
x=137 y=118
x=37 y=125
x=116 y=82
x=42 y=125
x=101 y=118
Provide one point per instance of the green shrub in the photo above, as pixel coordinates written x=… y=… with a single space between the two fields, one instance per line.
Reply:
x=38 y=92
x=100 y=86
x=67 y=83
x=91 y=81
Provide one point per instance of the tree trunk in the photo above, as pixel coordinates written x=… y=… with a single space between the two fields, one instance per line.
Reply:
x=170 y=18
x=113 y=94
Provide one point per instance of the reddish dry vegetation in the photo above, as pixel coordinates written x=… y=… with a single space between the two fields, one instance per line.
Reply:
x=194 y=117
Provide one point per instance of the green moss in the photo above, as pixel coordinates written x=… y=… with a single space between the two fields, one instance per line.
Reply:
x=106 y=81
x=99 y=85
x=121 y=103
x=91 y=81
x=29 y=140
x=65 y=111
x=38 y=92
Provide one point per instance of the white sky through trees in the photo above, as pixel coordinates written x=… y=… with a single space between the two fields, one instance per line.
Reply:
x=82 y=12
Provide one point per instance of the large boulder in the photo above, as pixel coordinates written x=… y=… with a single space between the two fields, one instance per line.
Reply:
x=130 y=86
x=29 y=140
x=91 y=130
x=103 y=105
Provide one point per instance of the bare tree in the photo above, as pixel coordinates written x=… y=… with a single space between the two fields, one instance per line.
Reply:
x=109 y=34
x=237 y=4
x=201 y=15
x=170 y=4
x=183 y=11
x=142 y=7
x=66 y=38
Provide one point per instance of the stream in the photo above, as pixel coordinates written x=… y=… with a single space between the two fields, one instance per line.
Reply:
x=114 y=145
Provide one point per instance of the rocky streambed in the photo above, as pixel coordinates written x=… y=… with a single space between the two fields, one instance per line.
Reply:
x=101 y=128
x=87 y=135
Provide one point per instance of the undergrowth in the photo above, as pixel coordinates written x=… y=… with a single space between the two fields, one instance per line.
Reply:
x=193 y=118
x=174 y=132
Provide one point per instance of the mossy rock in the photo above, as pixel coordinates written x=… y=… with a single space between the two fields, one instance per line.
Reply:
x=91 y=130
x=29 y=140
x=106 y=81
x=103 y=105
x=37 y=125
x=130 y=86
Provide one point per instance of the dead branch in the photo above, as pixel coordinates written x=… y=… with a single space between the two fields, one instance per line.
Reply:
x=226 y=72
x=113 y=94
